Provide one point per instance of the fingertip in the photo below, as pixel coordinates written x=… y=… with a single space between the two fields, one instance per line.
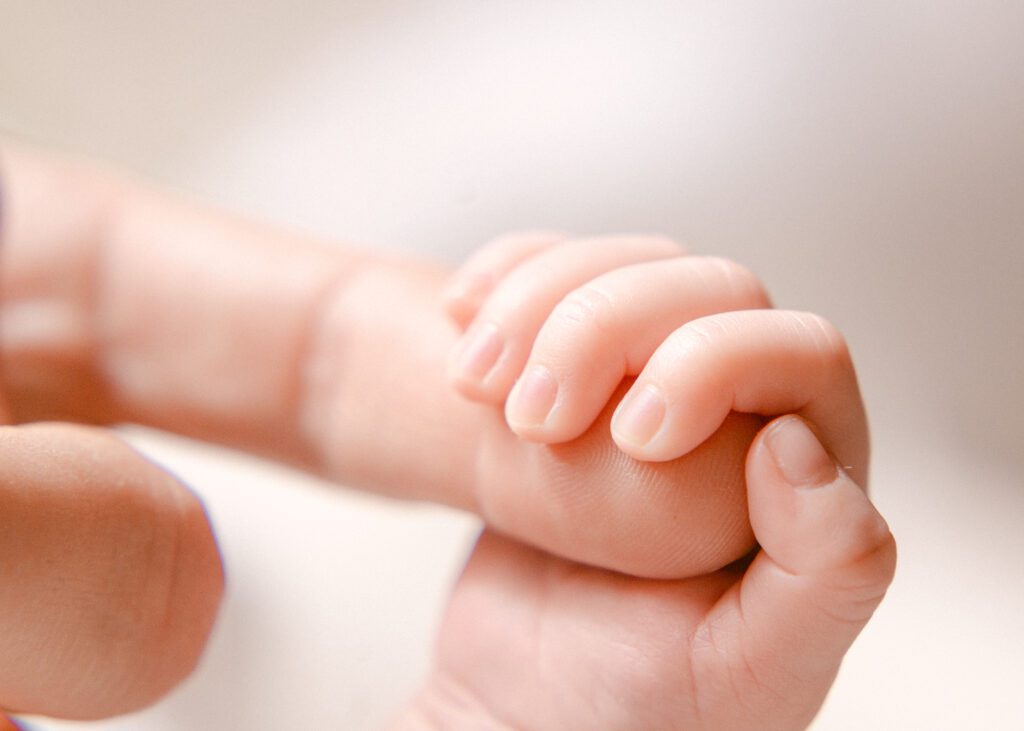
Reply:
x=531 y=402
x=638 y=419
x=544 y=433
x=475 y=390
x=474 y=360
x=799 y=457
x=650 y=426
x=807 y=512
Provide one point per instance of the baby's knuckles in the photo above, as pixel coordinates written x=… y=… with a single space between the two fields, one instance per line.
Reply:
x=588 y=501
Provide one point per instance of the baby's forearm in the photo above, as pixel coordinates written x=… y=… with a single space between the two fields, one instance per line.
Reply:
x=124 y=304
x=121 y=303
x=377 y=406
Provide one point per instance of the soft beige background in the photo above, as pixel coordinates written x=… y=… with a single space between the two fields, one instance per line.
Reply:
x=865 y=158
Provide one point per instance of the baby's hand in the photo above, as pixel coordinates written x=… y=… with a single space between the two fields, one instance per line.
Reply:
x=554 y=325
x=558 y=328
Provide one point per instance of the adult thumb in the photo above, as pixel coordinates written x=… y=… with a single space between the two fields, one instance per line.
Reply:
x=826 y=560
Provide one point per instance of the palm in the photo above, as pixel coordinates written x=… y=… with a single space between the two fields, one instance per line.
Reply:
x=536 y=642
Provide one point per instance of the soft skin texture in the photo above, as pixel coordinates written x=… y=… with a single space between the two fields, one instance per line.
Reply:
x=110 y=578
x=570 y=321
x=135 y=306
x=531 y=641
x=597 y=598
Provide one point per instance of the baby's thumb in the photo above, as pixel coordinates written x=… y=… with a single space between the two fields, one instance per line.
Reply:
x=827 y=559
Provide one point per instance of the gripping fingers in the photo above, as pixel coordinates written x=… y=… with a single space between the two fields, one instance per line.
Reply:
x=764 y=362
x=826 y=560
x=609 y=328
x=492 y=352
x=474 y=280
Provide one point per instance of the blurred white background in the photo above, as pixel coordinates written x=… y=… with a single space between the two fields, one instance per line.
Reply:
x=865 y=158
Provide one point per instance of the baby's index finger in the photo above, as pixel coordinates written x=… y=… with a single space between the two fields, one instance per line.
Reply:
x=765 y=362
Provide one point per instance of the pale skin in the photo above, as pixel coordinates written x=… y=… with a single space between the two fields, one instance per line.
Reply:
x=608 y=591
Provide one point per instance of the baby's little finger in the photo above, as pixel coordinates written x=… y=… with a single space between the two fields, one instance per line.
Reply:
x=766 y=362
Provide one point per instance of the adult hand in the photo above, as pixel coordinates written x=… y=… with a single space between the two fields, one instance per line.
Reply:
x=120 y=304
x=534 y=642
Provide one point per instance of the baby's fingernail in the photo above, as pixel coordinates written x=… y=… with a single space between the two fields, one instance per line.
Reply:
x=639 y=416
x=799 y=455
x=481 y=347
x=532 y=398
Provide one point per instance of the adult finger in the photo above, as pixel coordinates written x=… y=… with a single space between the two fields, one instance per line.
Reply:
x=109 y=578
x=608 y=328
x=473 y=282
x=491 y=354
x=826 y=560
x=765 y=362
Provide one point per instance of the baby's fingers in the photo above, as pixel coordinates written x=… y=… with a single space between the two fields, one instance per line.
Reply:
x=474 y=280
x=764 y=362
x=492 y=352
x=608 y=329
